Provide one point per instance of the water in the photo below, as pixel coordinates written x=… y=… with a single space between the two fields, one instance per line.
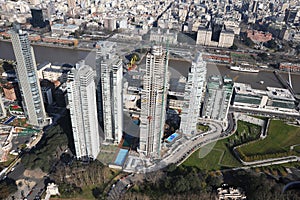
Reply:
x=57 y=55
x=47 y=54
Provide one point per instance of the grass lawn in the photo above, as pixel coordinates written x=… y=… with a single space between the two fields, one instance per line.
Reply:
x=218 y=155
x=279 y=139
x=241 y=56
x=201 y=127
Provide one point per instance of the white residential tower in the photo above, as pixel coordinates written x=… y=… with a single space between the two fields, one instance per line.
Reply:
x=82 y=103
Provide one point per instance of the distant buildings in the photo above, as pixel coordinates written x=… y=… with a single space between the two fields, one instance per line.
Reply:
x=110 y=23
x=37 y=19
x=205 y=38
x=153 y=102
x=162 y=36
x=194 y=90
x=28 y=80
x=64 y=29
x=293 y=67
x=259 y=36
x=110 y=92
x=81 y=92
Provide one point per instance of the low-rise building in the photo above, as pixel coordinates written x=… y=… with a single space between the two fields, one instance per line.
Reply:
x=293 y=67
x=275 y=100
x=259 y=36
x=230 y=193
x=9 y=91
x=163 y=36
x=64 y=29
x=217 y=99
x=52 y=72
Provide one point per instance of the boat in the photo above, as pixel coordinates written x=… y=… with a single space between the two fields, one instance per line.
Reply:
x=244 y=69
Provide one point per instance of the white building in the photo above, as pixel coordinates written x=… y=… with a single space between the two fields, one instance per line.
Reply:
x=194 y=90
x=217 y=99
x=81 y=92
x=52 y=72
x=153 y=103
x=32 y=100
x=2 y=108
x=230 y=193
x=110 y=92
x=64 y=29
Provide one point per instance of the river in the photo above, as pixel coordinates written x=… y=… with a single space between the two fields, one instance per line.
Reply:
x=58 y=55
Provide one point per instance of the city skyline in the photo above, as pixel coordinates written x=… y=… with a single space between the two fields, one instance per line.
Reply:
x=123 y=99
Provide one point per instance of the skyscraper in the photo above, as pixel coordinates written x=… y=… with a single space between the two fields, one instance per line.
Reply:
x=194 y=88
x=32 y=100
x=153 y=102
x=81 y=92
x=110 y=92
x=37 y=19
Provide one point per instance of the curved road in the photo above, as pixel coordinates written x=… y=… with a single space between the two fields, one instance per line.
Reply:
x=188 y=146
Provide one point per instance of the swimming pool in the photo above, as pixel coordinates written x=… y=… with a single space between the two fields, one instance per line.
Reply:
x=120 y=159
x=172 y=137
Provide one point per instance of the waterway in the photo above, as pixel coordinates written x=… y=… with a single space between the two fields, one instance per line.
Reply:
x=59 y=55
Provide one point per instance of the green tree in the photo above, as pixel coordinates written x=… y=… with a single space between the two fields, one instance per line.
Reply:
x=7 y=187
x=233 y=47
x=271 y=44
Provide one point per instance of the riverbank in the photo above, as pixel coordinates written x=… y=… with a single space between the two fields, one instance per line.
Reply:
x=51 y=45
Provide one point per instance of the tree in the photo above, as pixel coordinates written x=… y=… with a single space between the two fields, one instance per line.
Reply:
x=248 y=42
x=271 y=44
x=263 y=56
x=233 y=47
x=7 y=187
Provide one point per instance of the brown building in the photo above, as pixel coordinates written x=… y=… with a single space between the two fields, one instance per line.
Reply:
x=293 y=67
x=9 y=91
x=259 y=36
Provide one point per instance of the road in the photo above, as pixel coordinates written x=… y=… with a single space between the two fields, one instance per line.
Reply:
x=120 y=187
x=264 y=112
x=187 y=145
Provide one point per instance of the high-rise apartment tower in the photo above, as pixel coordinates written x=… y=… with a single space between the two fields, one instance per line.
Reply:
x=32 y=100
x=81 y=91
x=110 y=92
x=153 y=102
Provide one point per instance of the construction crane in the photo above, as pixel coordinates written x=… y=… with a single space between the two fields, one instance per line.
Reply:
x=132 y=64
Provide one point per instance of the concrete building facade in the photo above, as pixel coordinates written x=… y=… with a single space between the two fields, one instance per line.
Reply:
x=81 y=92
x=153 y=103
x=110 y=93
x=194 y=90
x=32 y=100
